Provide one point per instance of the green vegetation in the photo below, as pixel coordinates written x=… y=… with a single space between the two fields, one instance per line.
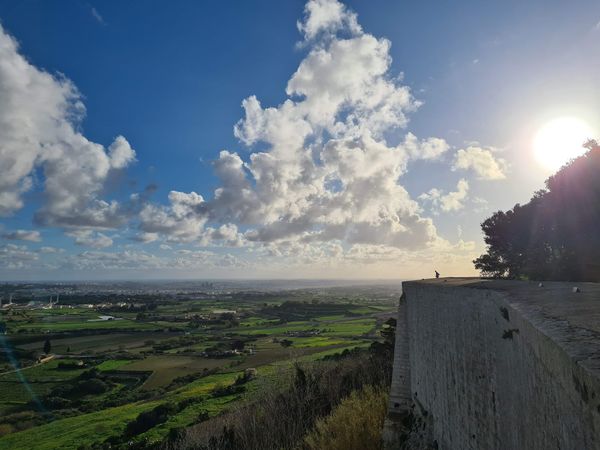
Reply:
x=295 y=410
x=113 y=364
x=355 y=424
x=165 y=368
x=143 y=373
x=554 y=236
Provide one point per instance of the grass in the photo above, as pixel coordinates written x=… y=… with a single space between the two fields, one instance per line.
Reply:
x=336 y=327
x=188 y=416
x=165 y=368
x=281 y=329
x=356 y=327
x=341 y=332
x=85 y=325
x=355 y=424
x=20 y=388
x=112 y=364
x=99 y=342
x=333 y=351
x=71 y=432
x=257 y=321
x=315 y=341
x=55 y=320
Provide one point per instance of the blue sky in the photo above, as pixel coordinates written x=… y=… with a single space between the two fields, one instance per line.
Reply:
x=483 y=79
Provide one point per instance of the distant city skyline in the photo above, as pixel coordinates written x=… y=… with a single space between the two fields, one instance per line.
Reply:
x=288 y=140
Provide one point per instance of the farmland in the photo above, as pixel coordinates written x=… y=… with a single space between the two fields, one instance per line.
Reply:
x=109 y=361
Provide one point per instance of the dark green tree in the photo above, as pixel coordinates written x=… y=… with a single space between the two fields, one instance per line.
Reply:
x=47 y=346
x=554 y=236
x=286 y=342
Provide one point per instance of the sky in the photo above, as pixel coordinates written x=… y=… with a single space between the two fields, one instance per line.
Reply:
x=279 y=139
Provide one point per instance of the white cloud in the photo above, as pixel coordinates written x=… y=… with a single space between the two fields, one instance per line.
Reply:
x=225 y=235
x=327 y=16
x=182 y=221
x=327 y=171
x=451 y=201
x=120 y=153
x=141 y=260
x=482 y=161
x=431 y=148
x=16 y=256
x=90 y=238
x=323 y=187
x=23 y=235
x=145 y=238
x=50 y=250
x=99 y=260
x=40 y=116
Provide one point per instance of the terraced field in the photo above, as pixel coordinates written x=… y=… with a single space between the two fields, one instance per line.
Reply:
x=165 y=356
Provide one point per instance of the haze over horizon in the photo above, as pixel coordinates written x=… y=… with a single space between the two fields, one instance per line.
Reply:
x=371 y=142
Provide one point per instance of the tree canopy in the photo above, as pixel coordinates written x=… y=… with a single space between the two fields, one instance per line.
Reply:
x=556 y=236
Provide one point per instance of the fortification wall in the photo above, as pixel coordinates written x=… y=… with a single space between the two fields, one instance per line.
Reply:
x=500 y=364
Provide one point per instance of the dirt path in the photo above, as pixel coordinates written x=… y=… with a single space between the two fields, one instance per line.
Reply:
x=43 y=361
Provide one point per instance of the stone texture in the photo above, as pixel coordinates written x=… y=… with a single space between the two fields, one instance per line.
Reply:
x=500 y=364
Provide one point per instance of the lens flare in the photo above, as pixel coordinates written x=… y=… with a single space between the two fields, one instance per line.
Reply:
x=561 y=140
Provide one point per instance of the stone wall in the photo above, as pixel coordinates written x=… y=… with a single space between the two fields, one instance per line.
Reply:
x=497 y=365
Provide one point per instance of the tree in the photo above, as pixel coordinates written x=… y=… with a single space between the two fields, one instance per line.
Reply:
x=47 y=346
x=238 y=345
x=554 y=236
x=286 y=342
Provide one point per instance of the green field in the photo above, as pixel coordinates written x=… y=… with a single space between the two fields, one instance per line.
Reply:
x=31 y=383
x=148 y=360
x=105 y=342
x=168 y=367
x=72 y=432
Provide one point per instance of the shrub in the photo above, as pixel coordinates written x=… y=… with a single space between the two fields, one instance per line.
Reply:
x=57 y=403
x=355 y=424
x=286 y=343
x=280 y=418
x=89 y=374
x=149 y=419
x=92 y=386
x=222 y=391
x=6 y=428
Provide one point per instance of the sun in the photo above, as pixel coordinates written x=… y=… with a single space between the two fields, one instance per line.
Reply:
x=561 y=140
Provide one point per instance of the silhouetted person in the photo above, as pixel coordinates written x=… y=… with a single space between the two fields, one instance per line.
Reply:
x=437 y=274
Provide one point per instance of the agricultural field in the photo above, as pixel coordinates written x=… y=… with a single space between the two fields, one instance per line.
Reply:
x=78 y=376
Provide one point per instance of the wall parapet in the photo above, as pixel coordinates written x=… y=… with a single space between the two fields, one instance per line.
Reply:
x=497 y=364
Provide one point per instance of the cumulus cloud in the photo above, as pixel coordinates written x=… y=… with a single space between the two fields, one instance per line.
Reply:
x=431 y=148
x=145 y=237
x=40 y=117
x=181 y=221
x=141 y=260
x=99 y=260
x=322 y=180
x=16 y=256
x=90 y=238
x=50 y=250
x=327 y=170
x=225 y=235
x=23 y=235
x=327 y=16
x=451 y=201
x=482 y=161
